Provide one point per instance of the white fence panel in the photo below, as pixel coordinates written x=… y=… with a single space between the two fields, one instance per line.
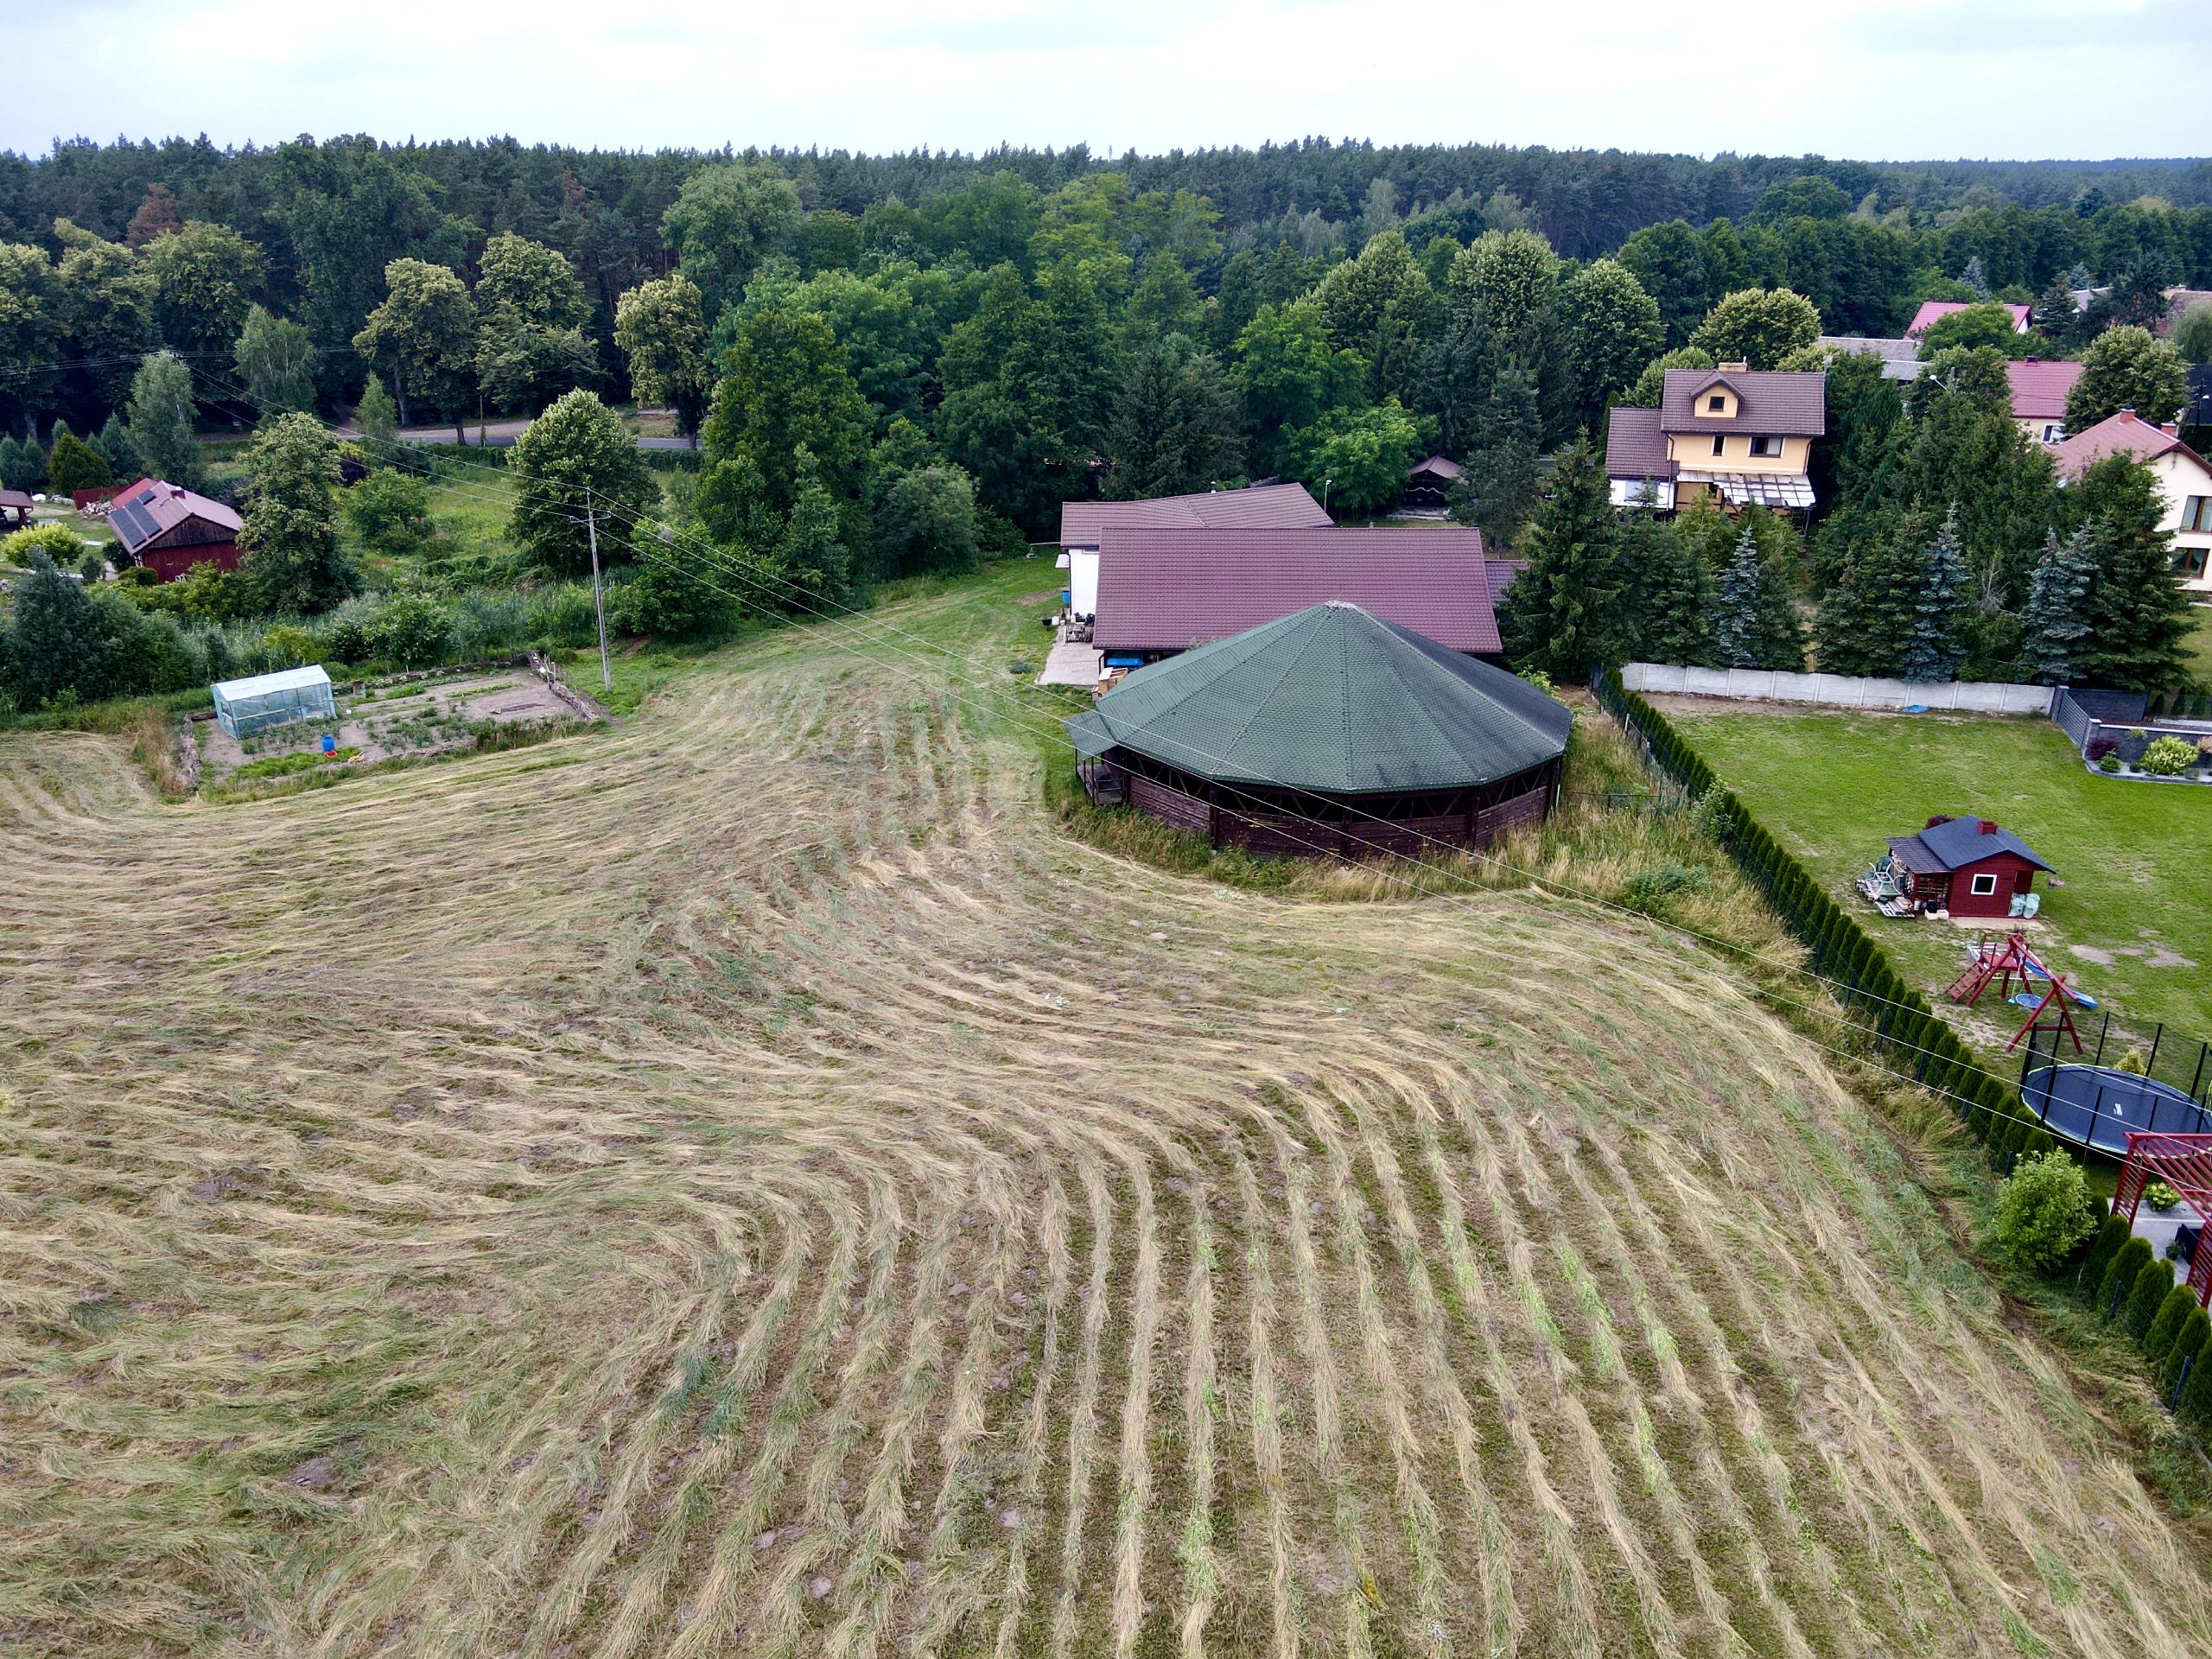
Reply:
x=1837 y=690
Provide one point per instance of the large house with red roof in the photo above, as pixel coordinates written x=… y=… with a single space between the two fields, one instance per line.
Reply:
x=1260 y=506
x=1166 y=589
x=2184 y=479
x=170 y=529
x=1743 y=434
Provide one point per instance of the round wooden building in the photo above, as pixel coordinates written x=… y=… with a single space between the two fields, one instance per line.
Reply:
x=1328 y=732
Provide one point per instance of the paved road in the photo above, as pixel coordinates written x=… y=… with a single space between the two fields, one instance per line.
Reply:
x=499 y=435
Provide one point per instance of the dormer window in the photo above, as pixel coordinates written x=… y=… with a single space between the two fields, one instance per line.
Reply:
x=1718 y=404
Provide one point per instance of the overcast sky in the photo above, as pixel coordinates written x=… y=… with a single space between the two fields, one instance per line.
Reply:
x=1866 y=78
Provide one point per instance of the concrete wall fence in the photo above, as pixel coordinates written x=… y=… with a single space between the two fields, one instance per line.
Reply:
x=1837 y=690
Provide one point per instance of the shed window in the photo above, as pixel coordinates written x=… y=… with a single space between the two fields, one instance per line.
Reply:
x=1985 y=884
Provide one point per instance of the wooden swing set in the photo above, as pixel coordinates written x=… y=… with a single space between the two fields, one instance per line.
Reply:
x=1999 y=960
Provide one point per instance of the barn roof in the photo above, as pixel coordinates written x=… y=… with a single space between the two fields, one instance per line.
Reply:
x=1334 y=700
x=1441 y=466
x=151 y=508
x=1168 y=589
x=1956 y=843
x=1262 y=506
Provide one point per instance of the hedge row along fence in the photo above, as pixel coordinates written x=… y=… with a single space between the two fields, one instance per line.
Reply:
x=1910 y=1038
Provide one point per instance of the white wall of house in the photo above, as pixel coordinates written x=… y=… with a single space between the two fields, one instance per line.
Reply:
x=1083 y=582
x=2187 y=484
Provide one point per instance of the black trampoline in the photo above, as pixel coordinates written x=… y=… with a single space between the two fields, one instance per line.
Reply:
x=2099 y=1106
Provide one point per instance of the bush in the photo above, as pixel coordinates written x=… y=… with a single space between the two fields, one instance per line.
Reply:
x=412 y=630
x=2160 y=1197
x=75 y=465
x=390 y=513
x=1646 y=888
x=2145 y=1298
x=2121 y=1274
x=2165 y=1325
x=2194 y=1406
x=2188 y=1343
x=2099 y=747
x=2168 y=757
x=2043 y=1213
x=2110 y=763
x=59 y=542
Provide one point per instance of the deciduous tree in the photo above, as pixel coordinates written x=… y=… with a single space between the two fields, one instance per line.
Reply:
x=276 y=363
x=205 y=276
x=1356 y=459
x=2126 y=368
x=1758 y=327
x=661 y=326
x=578 y=454
x=289 y=541
x=725 y=220
x=424 y=336
x=161 y=425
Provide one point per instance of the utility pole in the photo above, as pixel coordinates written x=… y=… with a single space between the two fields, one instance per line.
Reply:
x=598 y=599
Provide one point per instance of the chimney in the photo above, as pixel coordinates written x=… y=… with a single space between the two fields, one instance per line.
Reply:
x=1987 y=826
x=1734 y=368
x=2171 y=429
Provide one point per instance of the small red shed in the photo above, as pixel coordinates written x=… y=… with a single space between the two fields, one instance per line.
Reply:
x=1966 y=865
x=168 y=529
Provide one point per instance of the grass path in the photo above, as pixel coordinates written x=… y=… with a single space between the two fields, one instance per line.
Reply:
x=745 y=1181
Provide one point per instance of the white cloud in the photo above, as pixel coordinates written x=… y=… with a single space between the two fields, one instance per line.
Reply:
x=1862 y=78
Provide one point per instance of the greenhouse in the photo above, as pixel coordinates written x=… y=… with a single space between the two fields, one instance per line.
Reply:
x=245 y=707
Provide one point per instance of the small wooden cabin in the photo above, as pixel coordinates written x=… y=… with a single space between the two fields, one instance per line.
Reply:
x=170 y=529
x=1429 y=488
x=1968 y=866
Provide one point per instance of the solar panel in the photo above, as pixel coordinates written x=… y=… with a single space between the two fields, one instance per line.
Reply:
x=133 y=523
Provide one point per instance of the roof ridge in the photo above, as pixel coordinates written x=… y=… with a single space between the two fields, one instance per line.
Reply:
x=1259 y=704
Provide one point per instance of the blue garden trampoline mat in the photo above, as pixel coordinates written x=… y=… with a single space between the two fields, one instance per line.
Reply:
x=2099 y=1106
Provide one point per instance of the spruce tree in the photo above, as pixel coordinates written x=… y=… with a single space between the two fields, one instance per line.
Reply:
x=122 y=458
x=2138 y=614
x=1503 y=471
x=1933 y=650
x=1865 y=621
x=1666 y=594
x=1561 y=613
x=1754 y=625
x=2053 y=626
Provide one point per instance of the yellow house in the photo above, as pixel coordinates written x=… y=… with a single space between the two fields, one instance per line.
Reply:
x=1745 y=434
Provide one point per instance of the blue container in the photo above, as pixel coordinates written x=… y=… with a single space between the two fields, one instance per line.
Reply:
x=329 y=744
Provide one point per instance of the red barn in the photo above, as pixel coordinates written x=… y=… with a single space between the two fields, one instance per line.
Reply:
x=168 y=529
x=1968 y=866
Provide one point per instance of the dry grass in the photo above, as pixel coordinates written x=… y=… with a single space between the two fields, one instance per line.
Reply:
x=747 y=1183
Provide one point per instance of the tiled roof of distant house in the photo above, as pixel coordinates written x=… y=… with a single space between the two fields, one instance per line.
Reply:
x=2124 y=434
x=2039 y=387
x=1635 y=445
x=1900 y=358
x=1265 y=506
x=1441 y=466
x=1767 y=400
x=1171 y=589
x=1934 y=311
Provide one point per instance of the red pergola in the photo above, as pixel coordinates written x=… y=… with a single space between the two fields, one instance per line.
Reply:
x=2184 y=1163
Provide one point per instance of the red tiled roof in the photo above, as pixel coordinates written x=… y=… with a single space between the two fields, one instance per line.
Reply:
x=151 y=508
x=1499 y=574
x=1171 y=589
x=2124 y=434
x=1266 y=507
x=1635 y=445
x=1933 y=311
x=1773 y=401
x=2039 y=388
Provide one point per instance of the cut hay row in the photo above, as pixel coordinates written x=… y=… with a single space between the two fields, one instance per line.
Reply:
x=744 y=1181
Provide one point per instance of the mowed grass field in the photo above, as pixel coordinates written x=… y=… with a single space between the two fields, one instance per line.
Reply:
x=2133 y=920
x=746 y=1182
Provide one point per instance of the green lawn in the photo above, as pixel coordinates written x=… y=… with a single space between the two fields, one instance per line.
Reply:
x=2200 y=643
x=2134 y=915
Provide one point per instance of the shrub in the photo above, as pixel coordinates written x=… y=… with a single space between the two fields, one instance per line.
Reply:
x=2144 y=1297
x=2188 y=1343
x=2194 y=1406
x=294 y=645
x=2120 y=1274
x=59 y=542
x=2043 y=1213
x=390 y=513
x=412 y=630
x=1646 y=888
x=2168 y=757
x=2173 y=1313
x=2099 y=747
x=75 y=465
x=2110 y=763
x=2160 y=1197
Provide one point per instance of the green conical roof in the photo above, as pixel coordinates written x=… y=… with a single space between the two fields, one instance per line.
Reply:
x=1332 y=700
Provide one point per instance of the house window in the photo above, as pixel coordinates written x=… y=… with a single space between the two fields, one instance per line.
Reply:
x=1766 y=444
x=1720 y=443
x=1717 y=402
x=1983 y=885
x=2189 y=562
x=2053 y=432
x=2197 y=513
